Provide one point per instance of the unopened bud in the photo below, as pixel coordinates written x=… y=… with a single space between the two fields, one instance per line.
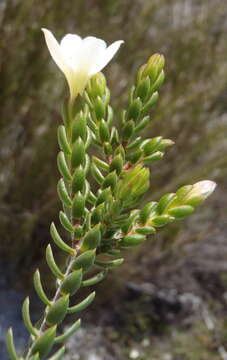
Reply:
x=154 y=66
x=199 y=192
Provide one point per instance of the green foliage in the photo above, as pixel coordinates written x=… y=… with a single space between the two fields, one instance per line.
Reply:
x=103 y=219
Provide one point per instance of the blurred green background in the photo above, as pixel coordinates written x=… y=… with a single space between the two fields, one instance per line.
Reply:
x=160 y=301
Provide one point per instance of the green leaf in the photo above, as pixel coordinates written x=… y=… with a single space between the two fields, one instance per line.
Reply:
x=59 y=242
x=143 y=88
x=78 y=153
x=164 y=202
x=39 y=289
x=26 y=318
x=161 y=220
x=92 y=239
x=142 y=124
x=63 y=167
x=45 y=342
x=134 y=110
x=153 y=158
x=151 y=102
x=58 y=355
x=96 y=173
x=56 y=313
x=181 y=212
x=71 y=283
x=150 y=145
x=147 y=211
x=82 y=305
x=79 y=129
x=109 y=264
x=69 y=332
x=110 y=180
x=128 y=130
x=84 y=261
x=134 y=145
x=10 y=345
x=100 y=163
x=52 y=264
x=63 y=141
x=104 y=133
x=95 y=279
x=146 y=230
x=78 y=207
x=65 y=222
x=117 y=164
x=78 y=181
x=99 y=108
x=63 y=193
x=132 y=240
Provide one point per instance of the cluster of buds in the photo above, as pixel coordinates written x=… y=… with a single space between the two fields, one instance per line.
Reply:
x=99 y=193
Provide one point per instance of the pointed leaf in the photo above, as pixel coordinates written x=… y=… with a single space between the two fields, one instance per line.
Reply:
x=52 y=264
x=59 y=242
x=58 y=355
x=82 y=305
x=26 y=317
x=10 y=345
x=95 y=279
x=109 y=264
x=39 y=289
x=69 y=332
x=45 y=342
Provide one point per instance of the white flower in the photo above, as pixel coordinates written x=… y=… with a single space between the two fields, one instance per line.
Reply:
x=79 y=58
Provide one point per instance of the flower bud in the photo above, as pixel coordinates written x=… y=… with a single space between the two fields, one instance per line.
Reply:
x=97 y=85
x=199 y=192
x=154 y=66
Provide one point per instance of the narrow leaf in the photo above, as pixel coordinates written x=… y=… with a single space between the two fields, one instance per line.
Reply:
x=26 y=317
x=63 y=194
x=82 y=305
x=39 y=289
x=63 y=167
x=95 y=279
x=59 y=242
x=62 y=140
x=109 y=264
x=58 y=355
x=10 y=345
x=70 y=331
x=52 y=264
x=45 y=342
x=65 y=222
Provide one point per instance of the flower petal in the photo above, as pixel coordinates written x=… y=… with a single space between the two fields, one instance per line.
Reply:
x=59 y=58
x=107 y=56
x=71 y=48
x=92 y=49
x=55 y=50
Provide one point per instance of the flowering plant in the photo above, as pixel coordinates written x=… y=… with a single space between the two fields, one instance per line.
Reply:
x=105 y=218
